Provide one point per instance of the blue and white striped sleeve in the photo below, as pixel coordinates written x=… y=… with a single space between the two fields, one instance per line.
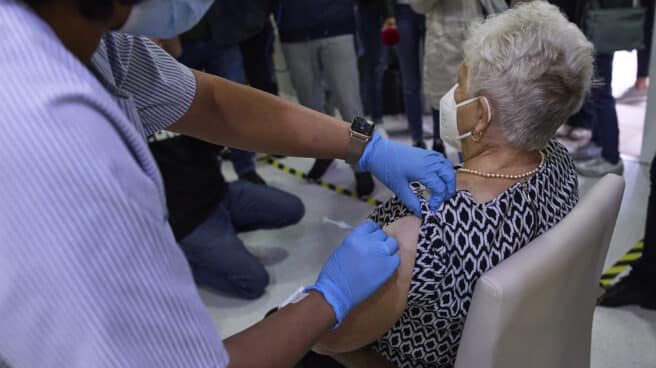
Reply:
x=162 y=87
x=90 y=277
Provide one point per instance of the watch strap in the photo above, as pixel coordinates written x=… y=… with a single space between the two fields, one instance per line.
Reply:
x=357 y=143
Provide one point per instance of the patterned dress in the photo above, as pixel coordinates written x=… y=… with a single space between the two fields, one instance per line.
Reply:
x=460 y=242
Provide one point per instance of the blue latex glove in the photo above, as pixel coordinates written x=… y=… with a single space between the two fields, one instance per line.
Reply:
x=361 y=265
x=397 y=165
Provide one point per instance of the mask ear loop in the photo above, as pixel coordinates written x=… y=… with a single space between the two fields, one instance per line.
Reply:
x=477 y=136
x=489 y=109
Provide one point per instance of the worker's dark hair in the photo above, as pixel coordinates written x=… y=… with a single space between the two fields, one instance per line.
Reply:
x=92 y=9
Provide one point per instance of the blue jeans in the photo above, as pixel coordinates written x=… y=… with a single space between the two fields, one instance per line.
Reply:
x=645 y=53
x=257 y=53
x=605 y=128
x=412 y=29
x=218 y=258
x=370 y=22
x=598 y=112
x=436 y=125
x=226 y=62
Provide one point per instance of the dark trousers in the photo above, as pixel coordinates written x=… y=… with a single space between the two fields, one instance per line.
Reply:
x=257 y=53
x=645 y=53
x=645 y=267
x=598 y=112
x=370 y=21
x=226 y=62
x=412 y=29
x=218 y=258
x=605 y=129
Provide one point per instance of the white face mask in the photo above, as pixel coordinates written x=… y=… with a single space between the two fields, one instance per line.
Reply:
x=164 y=18
x=449 y=118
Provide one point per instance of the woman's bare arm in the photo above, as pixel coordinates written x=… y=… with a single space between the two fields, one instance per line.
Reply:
x=378 y=313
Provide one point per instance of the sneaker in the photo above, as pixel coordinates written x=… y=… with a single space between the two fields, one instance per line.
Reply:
x=580 y=134
x=253 y=177
x=587 y=152
x=599 y=167
x=629 y=291
x=319 y=168
x=364 y=183
x=419 y=144
x=632 y=96
x=563 y=131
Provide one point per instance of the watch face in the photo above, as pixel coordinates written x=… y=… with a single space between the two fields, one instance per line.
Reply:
x=362 y=126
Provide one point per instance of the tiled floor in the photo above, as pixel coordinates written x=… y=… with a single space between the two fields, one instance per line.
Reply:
x=623 y=337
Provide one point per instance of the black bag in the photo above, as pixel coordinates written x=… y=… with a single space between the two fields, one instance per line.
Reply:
x=613 y=25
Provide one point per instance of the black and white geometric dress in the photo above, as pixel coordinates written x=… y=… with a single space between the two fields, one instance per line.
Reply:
x=460 y=242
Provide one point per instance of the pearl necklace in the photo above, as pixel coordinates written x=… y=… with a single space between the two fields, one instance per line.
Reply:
x=504 y=176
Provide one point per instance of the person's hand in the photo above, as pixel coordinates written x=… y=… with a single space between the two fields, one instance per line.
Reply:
x=389 y=22
x=397 y=164
x=361 y=265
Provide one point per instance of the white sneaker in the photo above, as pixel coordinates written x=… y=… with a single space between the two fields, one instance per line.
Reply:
x=599 y=167
x=580 y=134
x=632 y=96
x=587 y=152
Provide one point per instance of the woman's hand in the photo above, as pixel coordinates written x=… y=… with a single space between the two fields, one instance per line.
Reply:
x=389 y=23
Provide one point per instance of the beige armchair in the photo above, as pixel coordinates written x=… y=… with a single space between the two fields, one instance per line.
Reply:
x=535 y=309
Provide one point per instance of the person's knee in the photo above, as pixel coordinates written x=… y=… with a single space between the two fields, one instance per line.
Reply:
x=294 y=211
x=255 y=286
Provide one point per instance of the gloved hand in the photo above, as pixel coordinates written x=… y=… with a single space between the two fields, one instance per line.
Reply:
x=361 y=265
x=397 y=164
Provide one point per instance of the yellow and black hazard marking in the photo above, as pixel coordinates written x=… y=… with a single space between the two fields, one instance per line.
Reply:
x=621 y=265
x=335 y=188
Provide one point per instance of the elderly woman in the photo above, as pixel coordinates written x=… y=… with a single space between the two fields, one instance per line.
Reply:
x=525 y=72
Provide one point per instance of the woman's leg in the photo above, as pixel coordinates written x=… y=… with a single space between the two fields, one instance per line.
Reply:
x=370 y=21
x=645 y=53
x=438 y=145
x=606 y=127
x=411 y=28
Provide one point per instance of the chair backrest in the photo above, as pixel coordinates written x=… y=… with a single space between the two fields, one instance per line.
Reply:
x=535 y=308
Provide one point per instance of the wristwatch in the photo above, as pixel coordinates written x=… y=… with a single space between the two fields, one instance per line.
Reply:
x=361 y=132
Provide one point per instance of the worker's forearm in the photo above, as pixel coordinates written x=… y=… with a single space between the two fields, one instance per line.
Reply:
x=283 y=338
x=238 y=116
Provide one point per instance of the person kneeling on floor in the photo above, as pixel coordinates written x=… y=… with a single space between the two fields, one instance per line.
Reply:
x=207 y=213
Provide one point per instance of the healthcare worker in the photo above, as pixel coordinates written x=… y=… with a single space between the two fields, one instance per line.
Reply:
x=90 y=274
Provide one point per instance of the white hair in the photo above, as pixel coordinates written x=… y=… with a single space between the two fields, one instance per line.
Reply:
x=536 y=68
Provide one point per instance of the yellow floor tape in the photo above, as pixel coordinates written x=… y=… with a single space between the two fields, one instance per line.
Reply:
x=606 y=279
x=335 y=188
x=633 y=254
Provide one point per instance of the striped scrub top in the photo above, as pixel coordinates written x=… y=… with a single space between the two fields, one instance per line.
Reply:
x=90 y=274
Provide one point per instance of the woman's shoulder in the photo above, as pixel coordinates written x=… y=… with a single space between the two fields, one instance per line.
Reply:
x=556 y=152
x=559 y=165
